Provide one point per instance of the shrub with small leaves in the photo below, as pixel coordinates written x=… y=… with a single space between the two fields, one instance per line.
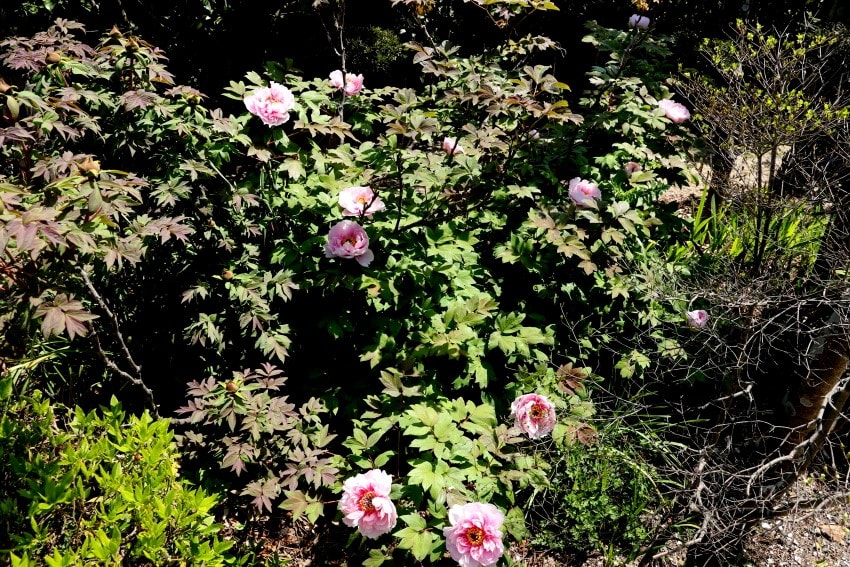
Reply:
x=97 y=487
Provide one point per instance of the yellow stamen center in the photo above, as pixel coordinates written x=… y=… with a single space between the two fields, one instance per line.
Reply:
x=365 y=502
x=537 y=411
x=475 y=536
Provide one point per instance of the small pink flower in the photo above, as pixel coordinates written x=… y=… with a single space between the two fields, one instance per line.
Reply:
x=674 y=111
x=366 y=503
x=474 y=538
x=631 y=167
x=272 y=104
x=638 y=21
x=347 y=239
x=584 y=193
x=697 y=319
x=350 y=84
x=358 y=201
x=534 y=414
x=451 y=146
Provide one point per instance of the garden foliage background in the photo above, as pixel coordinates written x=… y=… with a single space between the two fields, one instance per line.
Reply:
x=238 y=282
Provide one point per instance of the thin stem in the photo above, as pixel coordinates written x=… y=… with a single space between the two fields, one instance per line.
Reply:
x=400 y=190
x=137 y=379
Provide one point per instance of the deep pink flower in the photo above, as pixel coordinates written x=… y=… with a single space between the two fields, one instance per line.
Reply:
x=452 y=146
x=272 y=104
x=674 y=111
x=584 y=193
x=366 y=503
x=697 y=319
x=359 y=201
x=347 y=239
x=351 y=83
x=631 y=167
x=638 y=21
x=534 y=414
x=474 y=538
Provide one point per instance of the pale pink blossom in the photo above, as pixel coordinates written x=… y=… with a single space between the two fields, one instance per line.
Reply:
x=474 y=538
x=347 y=239
x=350 y=84
x=583 y=192
x=534 y=414
x=272 y=104
x=631 y=167
x=452 y=146
x=358 y=201
x=638 y=21
x=674 y=111
x=697 y=319
x=366 y=503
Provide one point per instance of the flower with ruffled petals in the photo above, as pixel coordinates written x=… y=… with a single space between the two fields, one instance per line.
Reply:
x=534 y=414
x=638 y=21
x=631 y=167
x=674 y=111
x=347 y=239
x=366 y=503
x=583 y=192
x=359 y=201
x=451 y=146
x=350 y=83
x=697 y=319
x=474 y=538
x=272 y=104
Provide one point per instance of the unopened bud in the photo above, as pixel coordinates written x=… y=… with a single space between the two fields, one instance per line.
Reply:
x=115 y=32
x=90 y=167
x=4 y=86
x=53 y=58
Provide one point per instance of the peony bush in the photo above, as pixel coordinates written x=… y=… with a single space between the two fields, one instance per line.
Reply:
x=499 y=240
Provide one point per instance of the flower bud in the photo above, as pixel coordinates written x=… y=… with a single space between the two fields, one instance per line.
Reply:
x=52 y=58
x=90 y=167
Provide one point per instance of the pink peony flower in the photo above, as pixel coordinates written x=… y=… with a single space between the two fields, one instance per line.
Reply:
x=347 y=239
x=638 y=21
x=451 y=146
x=350 y=84
x=358 y=201
x=631 y=167
x=366 y=503
x=697 y=319
x=534 y=414
x=583 y=192
x=474 y=538
x=272 y=104
x=674 y=111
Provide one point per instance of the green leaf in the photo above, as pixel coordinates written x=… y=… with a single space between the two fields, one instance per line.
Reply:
x=414 y=521
x=419 y=543
x=376 y=557
x=515 y=523
x=5 y=388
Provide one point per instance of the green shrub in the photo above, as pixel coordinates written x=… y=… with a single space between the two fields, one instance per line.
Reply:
x=97 y=487
x=602 y=494
x=485 y=274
